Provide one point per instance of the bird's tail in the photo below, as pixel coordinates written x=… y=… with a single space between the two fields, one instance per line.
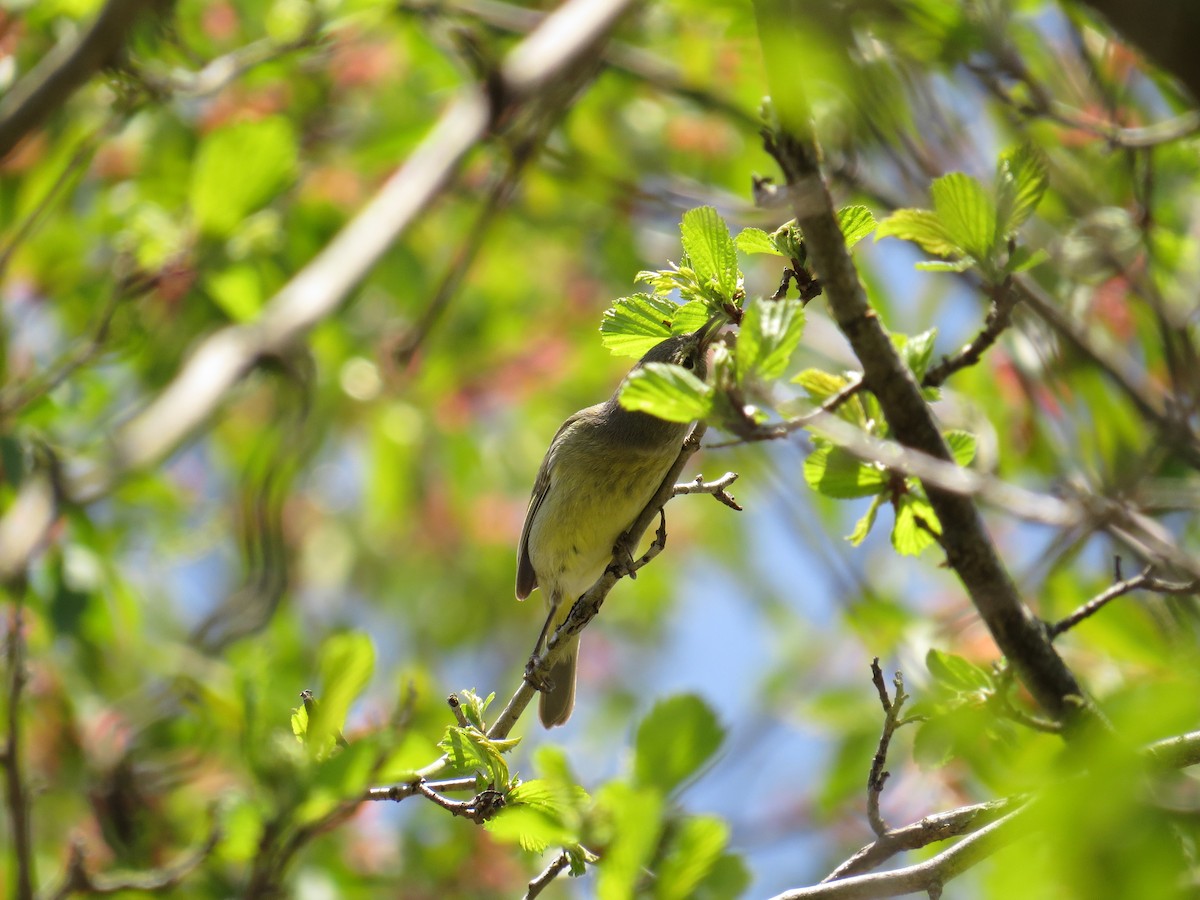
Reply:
x=556 y=704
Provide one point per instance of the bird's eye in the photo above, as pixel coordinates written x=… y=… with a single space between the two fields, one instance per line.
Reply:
x=688 y=362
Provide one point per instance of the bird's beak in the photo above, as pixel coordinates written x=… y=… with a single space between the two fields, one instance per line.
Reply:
x=706 y=332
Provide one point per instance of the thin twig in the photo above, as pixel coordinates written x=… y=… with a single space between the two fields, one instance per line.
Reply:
x=16 y=790
x=1144 y=580
x=77 y=879
x=558 y=865
x=999 y=318
x=891 y=721
x=714 y=488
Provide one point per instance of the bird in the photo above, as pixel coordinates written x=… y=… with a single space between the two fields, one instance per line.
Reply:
x=604 y=465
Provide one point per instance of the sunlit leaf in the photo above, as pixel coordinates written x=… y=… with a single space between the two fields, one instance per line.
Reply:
x=834 y=472
x=675 y=738
x=769 y=335
x=668 y=392
x=856 y=223
x=708 y=245
x=966 y=212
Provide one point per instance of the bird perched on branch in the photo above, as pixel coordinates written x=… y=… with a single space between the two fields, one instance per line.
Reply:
x=603 y=466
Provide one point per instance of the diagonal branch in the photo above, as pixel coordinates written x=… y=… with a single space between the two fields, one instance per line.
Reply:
x=535 y=69
x=969 y=549
x=65 y=69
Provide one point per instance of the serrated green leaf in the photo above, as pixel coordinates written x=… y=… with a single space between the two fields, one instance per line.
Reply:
x=833 y=472
x=955 y=672
x=864 y=525
x=856 y=223
x=635 y=324
x=666 y=391
x=710 y=249
x=755 y=240
x=966 y=212
x=962 y=446
x=690 y=317
x=1021 y=181
x=469 y=750
x=238 y=169
x=532 y=829
x=769 y=334
x=695 y=847
x=923 y=228
x=675 y=738
x=819 y=384
x=909 y=536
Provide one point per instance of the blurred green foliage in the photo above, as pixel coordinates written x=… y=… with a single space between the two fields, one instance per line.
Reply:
x=347 y=522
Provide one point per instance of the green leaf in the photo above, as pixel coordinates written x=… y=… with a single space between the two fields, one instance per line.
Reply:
x=755 y=240
x=833 y=472
x=957 y=673
x=1022 y=259
x=675 y=738
x=636 y=821
x=708 y=245
x=768 y=336
x=923 y=228
x=534 y=827
x=864 y=525
x=635 y=324
x=345 y=662
x=909 y=537
x=690 y=317
x=727 y=878
x=469 y=750
x=966 y=212
x=694 y=849
x=668 y=392
x=856 y=223
x=917 y=351
x=941 y=265
x=237 y=290
x=820 y=386
x=239 y=169
x=1021 y=181
x=962 y=446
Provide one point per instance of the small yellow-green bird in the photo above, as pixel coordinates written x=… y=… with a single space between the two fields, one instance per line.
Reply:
x=602 y=468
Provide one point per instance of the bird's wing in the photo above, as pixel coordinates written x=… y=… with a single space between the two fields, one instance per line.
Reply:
x=526 y=577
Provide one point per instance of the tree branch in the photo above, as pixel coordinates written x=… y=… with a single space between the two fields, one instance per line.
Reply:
x=970 y=551
x=1144 y=580
x=65 y=69
x=558 y=865
x=545 y=59
x=16 y=791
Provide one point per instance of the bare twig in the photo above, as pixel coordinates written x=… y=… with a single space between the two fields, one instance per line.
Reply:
x=1144 y=580
x=557 y=866
x=929 y=830
x=77 y=879
x=65 y=69
x=16 y=790
x=891 y=721
x=397 y=792
x=932 y=873
x=999 y=318
x=478 y=809
x=715 y=488
x=16 y=397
